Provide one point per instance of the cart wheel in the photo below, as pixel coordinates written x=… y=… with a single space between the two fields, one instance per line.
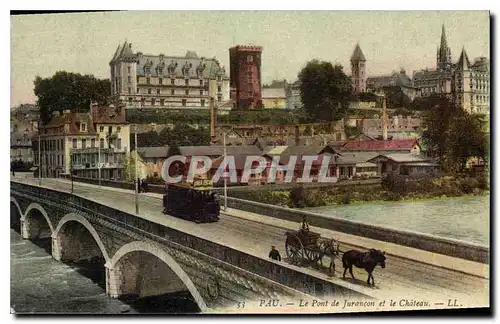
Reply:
x=294 y=249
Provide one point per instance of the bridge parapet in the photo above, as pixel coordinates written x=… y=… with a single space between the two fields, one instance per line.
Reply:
x=431 y=243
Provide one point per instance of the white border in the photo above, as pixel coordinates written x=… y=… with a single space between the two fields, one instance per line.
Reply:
x=206 y=5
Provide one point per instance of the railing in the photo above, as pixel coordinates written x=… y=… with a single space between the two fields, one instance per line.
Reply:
x=427 y=242
x=156 y=188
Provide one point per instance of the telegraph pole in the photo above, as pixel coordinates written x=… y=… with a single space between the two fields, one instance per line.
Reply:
x=71 y=173
x=225 y=178
x=39 y=159
x=136 y=176
x=43 y=155
x=99 y=157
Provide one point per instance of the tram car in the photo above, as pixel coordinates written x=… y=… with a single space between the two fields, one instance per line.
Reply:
x=190 y=202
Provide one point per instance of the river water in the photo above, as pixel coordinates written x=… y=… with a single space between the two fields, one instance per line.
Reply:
x=40 y=284
x=464 y=218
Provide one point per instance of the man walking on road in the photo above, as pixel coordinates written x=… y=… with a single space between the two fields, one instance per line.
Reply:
x=274 y=254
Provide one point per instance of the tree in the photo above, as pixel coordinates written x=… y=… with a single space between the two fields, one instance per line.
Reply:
x=466 y=140
x=366 y=96
x=453 y=135
x=325 y=90
x=129 y=167
x=148 y=139
x=174 y=150
x=186 y=135
x=396 y=98
x=66 y=90
x=424 y=103
x=436 y=122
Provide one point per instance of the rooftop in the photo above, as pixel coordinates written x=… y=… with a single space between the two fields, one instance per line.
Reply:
x=407 y=158
x=358 y=55
x=153 y=152
x=190 y=65
x=271 y=93
x=380 y=145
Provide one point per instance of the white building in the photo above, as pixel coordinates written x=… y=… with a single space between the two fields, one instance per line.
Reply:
x=73 y=142
x=468 y=84
x=172 y=82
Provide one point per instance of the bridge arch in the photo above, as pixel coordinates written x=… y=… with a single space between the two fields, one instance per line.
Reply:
x=13 y=200
x=33 y=226
x=163 y=256
x=59 y=241
x=16 y=214
x=37 y=206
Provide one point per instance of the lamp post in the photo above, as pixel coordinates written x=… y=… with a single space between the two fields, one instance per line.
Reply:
x=71 y=172
x=136 y=176
x=225 y=178
x=39 y=161
x=43 y=156
x=99 y=158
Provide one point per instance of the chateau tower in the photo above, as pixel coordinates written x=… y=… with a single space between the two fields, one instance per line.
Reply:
x=245 y=75
x=123 y=66
x=358 y=70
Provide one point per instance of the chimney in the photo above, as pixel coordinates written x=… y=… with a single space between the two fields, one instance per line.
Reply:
x=213 y=119
x=384 y=118
x=297 y=135
x=94 y=110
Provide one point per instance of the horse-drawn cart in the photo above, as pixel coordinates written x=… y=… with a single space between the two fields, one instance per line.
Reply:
x=308 y=247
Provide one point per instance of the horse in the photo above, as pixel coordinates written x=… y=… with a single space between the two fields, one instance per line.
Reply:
x=329 y=248
x=364 y=260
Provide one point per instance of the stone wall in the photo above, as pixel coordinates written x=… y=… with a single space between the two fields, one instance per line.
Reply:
x=451 y=247
x=35 y=226
x=77 y=244
x=161 y=189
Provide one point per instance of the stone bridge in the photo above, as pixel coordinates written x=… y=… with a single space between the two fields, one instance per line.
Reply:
x=142 y=258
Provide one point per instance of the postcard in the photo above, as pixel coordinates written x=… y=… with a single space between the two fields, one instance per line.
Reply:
x=264 y=162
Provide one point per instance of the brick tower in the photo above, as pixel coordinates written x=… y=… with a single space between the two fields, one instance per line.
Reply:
x=358 y=73
x=245 y=76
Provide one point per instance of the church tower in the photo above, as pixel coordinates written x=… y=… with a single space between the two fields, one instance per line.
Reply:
x=462 y=82
x=443 y=60
x=358 y=73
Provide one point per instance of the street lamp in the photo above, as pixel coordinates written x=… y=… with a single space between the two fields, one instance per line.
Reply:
x=39 y=161
x=99 y=157
x=225 y=178
x=136 y=176
x=71 y=172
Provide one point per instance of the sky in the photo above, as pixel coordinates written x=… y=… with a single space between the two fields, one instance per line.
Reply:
x=84 y=43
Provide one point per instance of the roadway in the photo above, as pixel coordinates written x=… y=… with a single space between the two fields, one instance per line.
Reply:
x=428 y=276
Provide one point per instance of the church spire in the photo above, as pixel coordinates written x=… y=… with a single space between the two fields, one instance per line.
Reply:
x=357 y=55
x=463 y=62
x=443 y=39
x=444 y=53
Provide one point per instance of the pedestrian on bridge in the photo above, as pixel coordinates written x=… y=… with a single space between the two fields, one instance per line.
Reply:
x=274 y=254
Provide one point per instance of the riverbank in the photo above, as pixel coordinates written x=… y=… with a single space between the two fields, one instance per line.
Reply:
x=392 y=189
